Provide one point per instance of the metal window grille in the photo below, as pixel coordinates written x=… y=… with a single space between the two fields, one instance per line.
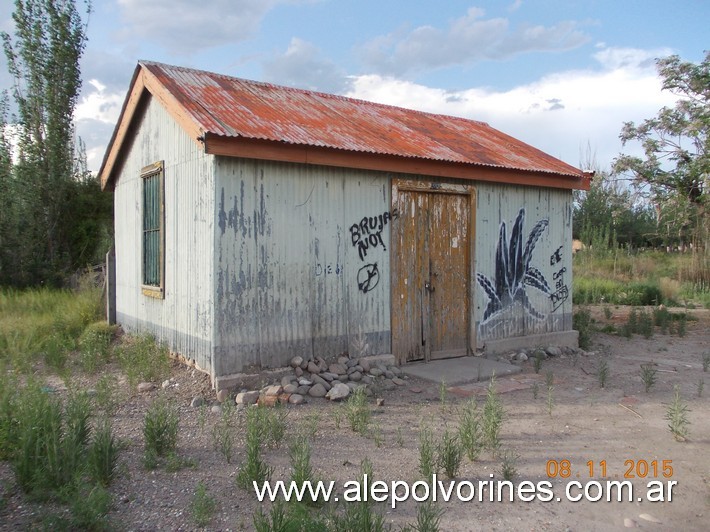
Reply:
x=153 y=225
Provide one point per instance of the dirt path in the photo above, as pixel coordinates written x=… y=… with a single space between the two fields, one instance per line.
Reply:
x=615 y=425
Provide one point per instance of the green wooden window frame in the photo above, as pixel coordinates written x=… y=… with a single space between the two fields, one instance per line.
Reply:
x=153 y=241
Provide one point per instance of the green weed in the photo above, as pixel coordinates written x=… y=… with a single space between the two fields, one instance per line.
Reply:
x=427 y=454
x=94 y=345
x=538 y=358
x=648 y=376
x=449 y=454
x=89 y=509
x=102 y=459
x=360 y=515
x=300 y=455
x=254 y=468
x=470 y=430
x=602 y=372
x=443 y=395
x=160 y=429
x=677 y=416
x=357 y=411
x=549 y=382
x=223 y=431
x=142 y=359
x=202 y=506
x=493 y=415
x=582 y=323
x=428 y=517
x=509 y=460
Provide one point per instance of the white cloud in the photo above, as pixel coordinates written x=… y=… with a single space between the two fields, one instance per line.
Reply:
x=468 y=39
x=99 y=104
x=560 y=114
x=515 y=6
x=95 y=116
x=186 y=26
x=303 y=65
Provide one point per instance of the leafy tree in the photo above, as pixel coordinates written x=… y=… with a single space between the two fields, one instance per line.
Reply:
x=53 y=196
x=608 y=215
x=675 y=168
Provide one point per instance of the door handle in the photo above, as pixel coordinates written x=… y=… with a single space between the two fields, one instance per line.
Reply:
x=428 y=287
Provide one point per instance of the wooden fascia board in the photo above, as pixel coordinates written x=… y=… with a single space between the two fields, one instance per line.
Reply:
x=125 y=120
x=173 y=106
x=144 y=82
x=283 y=152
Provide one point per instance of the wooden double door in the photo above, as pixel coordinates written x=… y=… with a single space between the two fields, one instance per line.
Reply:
x=431 y=271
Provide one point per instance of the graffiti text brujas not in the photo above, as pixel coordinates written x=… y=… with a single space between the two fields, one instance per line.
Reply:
x=368 y=233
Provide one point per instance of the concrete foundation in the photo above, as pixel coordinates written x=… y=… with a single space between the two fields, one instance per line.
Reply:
x=508 y=345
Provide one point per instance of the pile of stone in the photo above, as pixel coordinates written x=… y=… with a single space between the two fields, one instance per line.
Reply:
x=334 y=380
x=542 y=352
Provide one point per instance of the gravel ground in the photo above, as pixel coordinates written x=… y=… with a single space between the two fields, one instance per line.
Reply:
x=616 y=424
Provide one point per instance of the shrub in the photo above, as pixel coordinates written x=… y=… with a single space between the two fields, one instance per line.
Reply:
x=470 y=430
x=49 y=441
x=493 y=414
x=300 y=455
x=449 y=454
x=89 y=509
x=357 y=411
x=103 y=454
x=582 y=322
x=427 y=454
x=254 y=469
x=677 y=416
x=142 y=359
x=203 y=506
x=160 y=428
x=94 y=344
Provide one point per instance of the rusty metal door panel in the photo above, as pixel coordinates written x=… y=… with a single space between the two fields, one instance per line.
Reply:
x=431 y=275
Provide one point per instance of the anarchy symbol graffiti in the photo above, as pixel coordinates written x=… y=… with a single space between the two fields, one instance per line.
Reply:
x=368 y=277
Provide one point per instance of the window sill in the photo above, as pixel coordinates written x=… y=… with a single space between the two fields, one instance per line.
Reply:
x=153 y=291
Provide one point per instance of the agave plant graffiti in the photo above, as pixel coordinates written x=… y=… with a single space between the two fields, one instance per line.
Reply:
x=513 y=271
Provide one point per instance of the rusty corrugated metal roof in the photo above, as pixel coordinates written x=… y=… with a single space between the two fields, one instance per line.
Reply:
x=236 y=108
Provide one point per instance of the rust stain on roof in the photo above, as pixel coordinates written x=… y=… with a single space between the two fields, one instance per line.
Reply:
x=237 y=108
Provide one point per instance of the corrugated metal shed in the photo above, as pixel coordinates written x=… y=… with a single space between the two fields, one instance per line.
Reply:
x=232 y=110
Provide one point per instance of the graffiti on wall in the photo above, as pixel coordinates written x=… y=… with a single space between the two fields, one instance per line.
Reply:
x=368 y=277
x=328 y=269
x=367 y=234
x=513 y=270
x=561 y=293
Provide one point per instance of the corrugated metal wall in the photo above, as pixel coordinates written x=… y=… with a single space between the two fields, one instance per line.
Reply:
x=265 y=261
x=302 y=263
x=184 y=318
x=523 y=261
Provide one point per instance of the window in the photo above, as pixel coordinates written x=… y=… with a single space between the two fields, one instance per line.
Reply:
x=153 y=230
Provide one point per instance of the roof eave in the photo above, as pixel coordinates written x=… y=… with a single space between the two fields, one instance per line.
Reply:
x=142 y=84
x=306 y=154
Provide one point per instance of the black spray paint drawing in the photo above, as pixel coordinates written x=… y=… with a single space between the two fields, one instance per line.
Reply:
x=513 y=270
x=368 y=277
x=367 y=233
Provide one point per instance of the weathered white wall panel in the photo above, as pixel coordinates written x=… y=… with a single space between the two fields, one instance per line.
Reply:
x=184 y=319
x=287 y=271
x=523 y=261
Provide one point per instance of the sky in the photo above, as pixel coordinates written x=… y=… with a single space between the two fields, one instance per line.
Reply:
x=561 y=75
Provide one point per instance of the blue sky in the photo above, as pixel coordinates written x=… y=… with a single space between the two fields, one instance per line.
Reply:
x=562 y=75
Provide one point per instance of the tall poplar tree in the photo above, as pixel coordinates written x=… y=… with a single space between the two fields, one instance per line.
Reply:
x=43 y=59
